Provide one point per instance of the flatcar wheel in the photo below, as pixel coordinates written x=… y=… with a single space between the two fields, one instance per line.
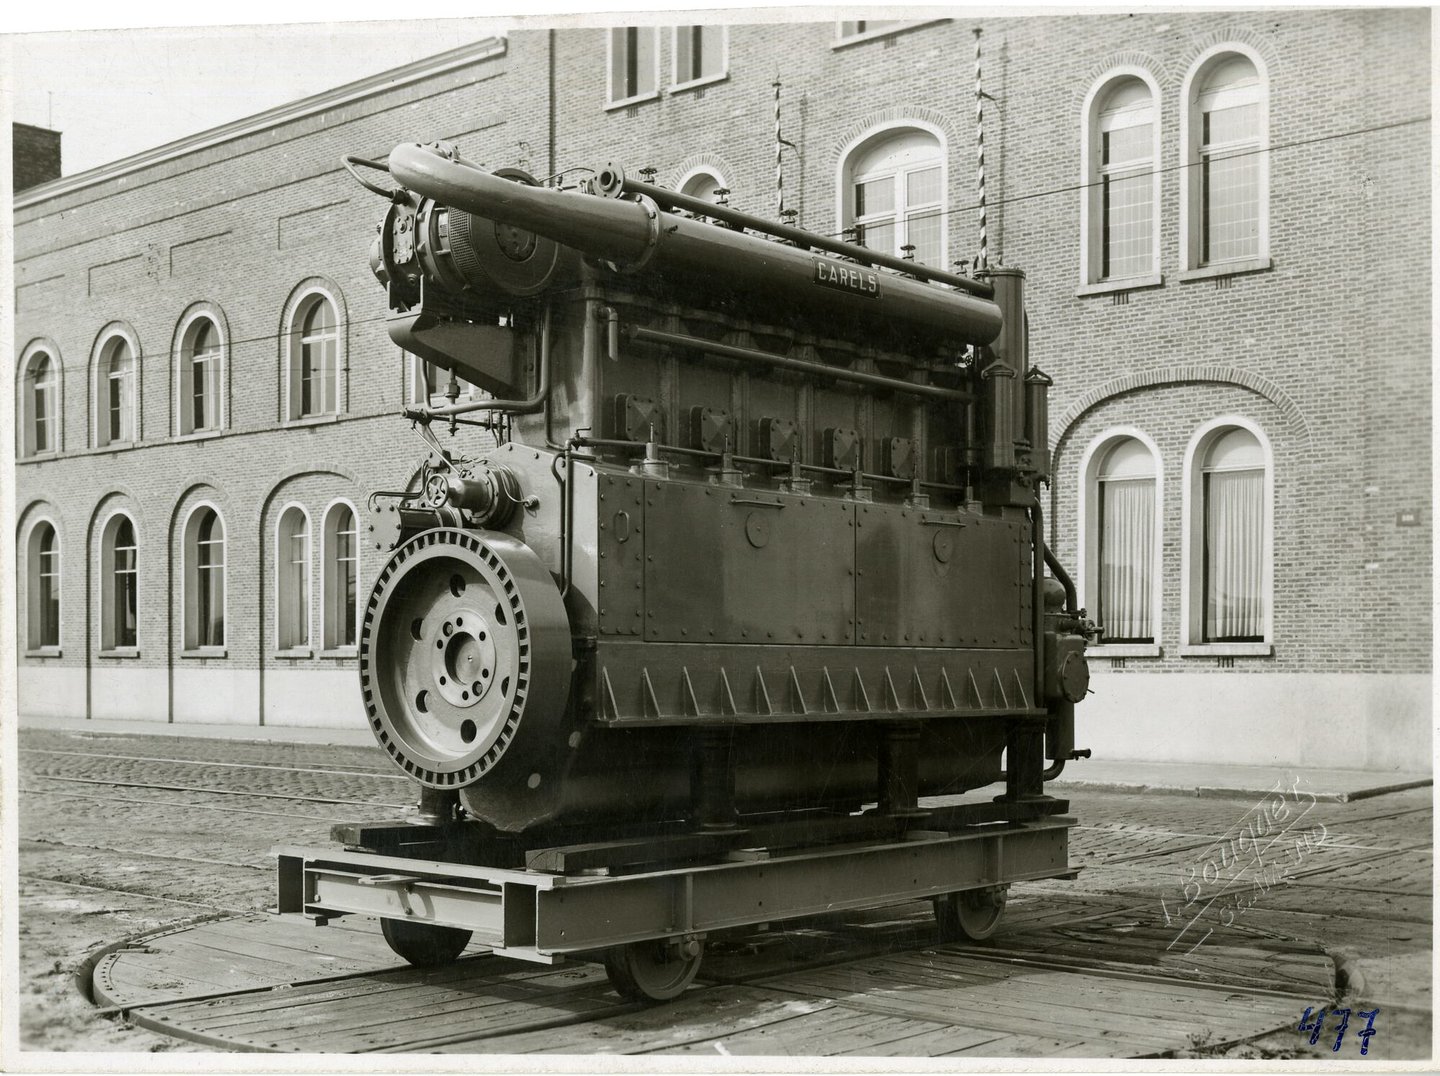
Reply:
x=653 y=970
x=971 y=914
x=424 y=944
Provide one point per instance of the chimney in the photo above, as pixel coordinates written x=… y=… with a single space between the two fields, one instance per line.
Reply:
x=36 y=155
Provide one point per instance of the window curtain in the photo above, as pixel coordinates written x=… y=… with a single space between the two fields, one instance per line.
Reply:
x=1234 y=555
x=1127 y=548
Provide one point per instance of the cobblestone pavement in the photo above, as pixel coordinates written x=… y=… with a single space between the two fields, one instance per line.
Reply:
x=121 y=833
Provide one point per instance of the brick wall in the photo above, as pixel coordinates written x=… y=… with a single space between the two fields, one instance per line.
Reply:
x=1327 y=350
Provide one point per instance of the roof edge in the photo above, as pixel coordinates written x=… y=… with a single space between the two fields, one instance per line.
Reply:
x=391 y=78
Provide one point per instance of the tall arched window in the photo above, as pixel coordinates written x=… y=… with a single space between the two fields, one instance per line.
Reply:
x=1120 y=510
x=1121 y=181
x=204 y=579
x=1233 y=476
x=893 y=190
x=43 y=587
x=315 y=356
x=119 y=584
x=1126 y=503
x=201 y=376
x=341 y=576
x=1225 y=189
x=115 y=398
x=292 y=579
x=1229 y=537
x=39 y=404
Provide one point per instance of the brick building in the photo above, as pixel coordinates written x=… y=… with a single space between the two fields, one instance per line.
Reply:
x=1224 y=219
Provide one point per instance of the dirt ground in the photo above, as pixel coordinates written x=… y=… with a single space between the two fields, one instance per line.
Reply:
x=124 y=834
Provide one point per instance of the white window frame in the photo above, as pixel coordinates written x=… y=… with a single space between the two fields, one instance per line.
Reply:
x=105 y=593
x=1192 y=545
x=296 y=311
x=847 y=177
x=1092 y=220
x=25 y=400
x=33 y=644
x=1192 y=187
x=329 y=563
x=611 y=101
x=189 y=580
x=107 y=345
x=285 y=599
x=1088 y=536
x=184 y=372
x=890 y=26
x=701 y=80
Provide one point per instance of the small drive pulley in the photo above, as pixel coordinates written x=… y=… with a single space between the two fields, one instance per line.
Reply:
x=465 y=657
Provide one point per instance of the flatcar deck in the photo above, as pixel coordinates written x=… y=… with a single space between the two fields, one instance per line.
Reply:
x=1064 y=977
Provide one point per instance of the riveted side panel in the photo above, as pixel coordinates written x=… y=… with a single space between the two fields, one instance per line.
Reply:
x=620 y=554
x=931 y=578
x=727 y=565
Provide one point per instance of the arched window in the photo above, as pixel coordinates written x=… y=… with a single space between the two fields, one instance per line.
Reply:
x=115 y=375
x=703 y=184
x=893 y=190
x=1229 y=527
x=39 y=404
x=1225 y=189
x=204 y=579
x=1234 y=498
x=43 y=587
x=1121 y=181
x=119 y=584
x=201 y=376
x=292 y=579
x=313 y=364
x=342 y=564
x=1120 y=510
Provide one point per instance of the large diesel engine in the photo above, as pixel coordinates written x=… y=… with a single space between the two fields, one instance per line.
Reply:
x=759 y=531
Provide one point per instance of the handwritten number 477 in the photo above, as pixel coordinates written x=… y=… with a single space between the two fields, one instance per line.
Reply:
x=1306 y=1024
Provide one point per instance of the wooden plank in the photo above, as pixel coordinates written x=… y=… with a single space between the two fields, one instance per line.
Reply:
x=836 y=1030
x=697 y=1016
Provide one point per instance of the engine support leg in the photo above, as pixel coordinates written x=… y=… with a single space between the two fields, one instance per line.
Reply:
x=712 y=779
x=437 y=806
x=1024 y=762
x=899 y=769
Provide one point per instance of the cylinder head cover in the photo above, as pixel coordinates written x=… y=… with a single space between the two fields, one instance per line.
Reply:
x=465 y=657
x=462 y=251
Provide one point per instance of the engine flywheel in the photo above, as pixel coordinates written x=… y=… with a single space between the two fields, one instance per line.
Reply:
x=465 y=656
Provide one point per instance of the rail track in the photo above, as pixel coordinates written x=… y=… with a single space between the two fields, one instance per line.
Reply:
x=869 y=984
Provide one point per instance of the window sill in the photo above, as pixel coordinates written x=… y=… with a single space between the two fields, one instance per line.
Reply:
x=205 y=652
x=889 y=31
x=1235 y=268
x=1129 y=283
x=1124 y=650
x=341 y=652
x=699 y=83
x=294 y=653
x=314 y=420
x=39 y=457
x=199 y=435
x=653 y=95
x=120 y=652
x=115 y=446
x=43 y=652
x=1227 y=650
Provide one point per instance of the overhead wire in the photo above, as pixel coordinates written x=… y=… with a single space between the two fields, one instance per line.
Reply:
x=1072 y=188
